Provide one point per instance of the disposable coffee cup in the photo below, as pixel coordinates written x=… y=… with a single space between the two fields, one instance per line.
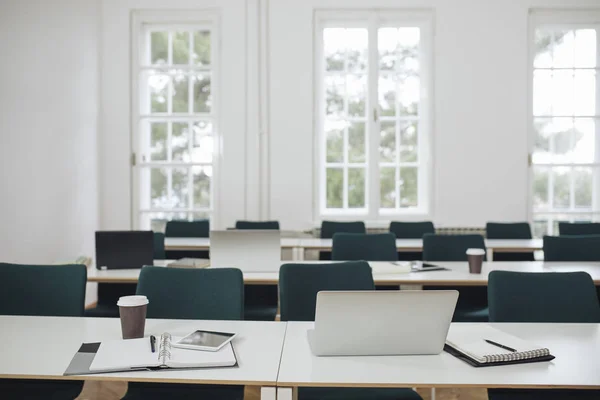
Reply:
x=475 y=258
x=132 y=310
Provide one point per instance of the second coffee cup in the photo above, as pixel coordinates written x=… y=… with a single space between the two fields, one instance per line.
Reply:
x=475 y=259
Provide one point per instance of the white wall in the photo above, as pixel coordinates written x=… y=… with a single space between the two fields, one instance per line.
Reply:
x=48 y=129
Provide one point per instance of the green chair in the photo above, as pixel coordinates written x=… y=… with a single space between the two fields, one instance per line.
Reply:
x=159 y=246
x=515 y=230
x=472 y=301
x=187 y=229
x=178 y=293
x=269 y=225
x=411 y=230
x=330 y=228
x=298 y=288
x=361 y=246
x=531 y=297
x=43 y=290
x=260 y=301
x=578 y=228
x=572 y=248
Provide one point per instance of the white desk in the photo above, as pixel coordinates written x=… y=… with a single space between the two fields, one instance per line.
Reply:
x=574 y=345
x=42 y=348
x=386 y=273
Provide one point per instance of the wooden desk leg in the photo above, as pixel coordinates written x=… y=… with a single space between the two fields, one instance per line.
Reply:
x=268 y=393
x=432 y=393
x=490 y=254
x=287 y=393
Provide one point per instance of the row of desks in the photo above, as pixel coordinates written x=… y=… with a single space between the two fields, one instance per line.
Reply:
x=299 y=245
x=276 y=356
x=388 y=273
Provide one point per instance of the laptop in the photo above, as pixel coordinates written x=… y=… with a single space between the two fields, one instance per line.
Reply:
x=248 y=250
x=124 y=249
x=377 y=323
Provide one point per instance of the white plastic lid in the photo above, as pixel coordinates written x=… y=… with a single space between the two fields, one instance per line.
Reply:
x=132 y=301
x=475 y=252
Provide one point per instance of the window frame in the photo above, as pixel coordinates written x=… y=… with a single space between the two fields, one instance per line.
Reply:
x=372 y=20
x=142 y=23
x=569 y=20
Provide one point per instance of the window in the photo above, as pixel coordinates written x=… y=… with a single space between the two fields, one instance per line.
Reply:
x=175 y=121
x=372 y=114
x=566 y=125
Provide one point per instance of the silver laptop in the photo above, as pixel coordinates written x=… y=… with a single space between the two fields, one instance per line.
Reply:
x=373 y=323
x=248 y=250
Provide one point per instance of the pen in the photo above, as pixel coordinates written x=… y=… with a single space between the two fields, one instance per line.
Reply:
x=152 y=342
x=501 y=346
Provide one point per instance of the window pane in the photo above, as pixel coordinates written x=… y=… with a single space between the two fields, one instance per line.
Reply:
x=552 y=140
x=179 y=142
x=180 y=187
x=409 y=50
x=356 y=142
x=582 y=178
x=387 y=182
x=387 y=43
x=584 y=133
x=334 y=134
x=356 y=187
x=334 y=40
x=335 y=182
x=387 y=95
x=585 y=48
x=540 y=227
x=540 y=188
x=562 y=93
x=562 y=184
x=564 y=49
x=157 y=87
x=408 y=154
x=202 y=93
x=542 y=93
x=357 y=96
x=180 y=93
x=181 y=48
x=158 y=184
x=408 y=133
x=387 y=143
x=335 y=91
x=409 y=95
x=543 y=48
x=159 y=47
x=585 y=92
x=158 y=141
x=357 y=40
x=408 y=187
x=202 y=178
x=203 y=143
x=201 y=55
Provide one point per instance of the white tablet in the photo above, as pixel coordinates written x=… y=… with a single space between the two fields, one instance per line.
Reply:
x=204 y=340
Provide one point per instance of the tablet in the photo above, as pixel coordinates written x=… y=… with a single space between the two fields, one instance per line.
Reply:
x=204 y=340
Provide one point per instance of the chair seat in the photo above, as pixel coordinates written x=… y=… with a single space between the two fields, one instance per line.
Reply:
x=542 y=394
x=171 y=391
x=471 y=315
x=39 y=389
x=317 y=393
x=260 y=312
x=103 y=311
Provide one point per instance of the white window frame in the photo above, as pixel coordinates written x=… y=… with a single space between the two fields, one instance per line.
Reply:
x=563 y=19
x=207 y=19
x=372 y=20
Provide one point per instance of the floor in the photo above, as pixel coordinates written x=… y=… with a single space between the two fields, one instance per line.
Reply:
x=94 y=390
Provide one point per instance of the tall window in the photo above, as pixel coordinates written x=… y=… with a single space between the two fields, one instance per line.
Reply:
x=372 y=100
x=176 y=122
x=566 y=125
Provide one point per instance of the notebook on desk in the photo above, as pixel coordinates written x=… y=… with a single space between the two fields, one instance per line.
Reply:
x=483 y=346
x=136 y=354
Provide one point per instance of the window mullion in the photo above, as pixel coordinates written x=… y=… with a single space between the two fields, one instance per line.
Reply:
x=373 y=123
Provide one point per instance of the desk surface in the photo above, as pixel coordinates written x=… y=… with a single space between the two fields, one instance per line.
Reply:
x=42 y=348
x=574 y=345
x=499 y=245
x=388 y=273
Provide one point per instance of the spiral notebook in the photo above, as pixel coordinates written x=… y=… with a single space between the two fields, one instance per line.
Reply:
x=483 y=346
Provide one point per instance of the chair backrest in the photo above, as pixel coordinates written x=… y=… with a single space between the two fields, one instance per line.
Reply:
x=271 y=225
x=198 y=228
x=450 y=247
x=46 y=290
x=511 y=230
x=572 y=248
x=182 y=293
x=159 y=246
x=542 y=297
x=411 y=230
x=300 y=283
x=329 y=228
x=578 y=228
x=361 y=246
